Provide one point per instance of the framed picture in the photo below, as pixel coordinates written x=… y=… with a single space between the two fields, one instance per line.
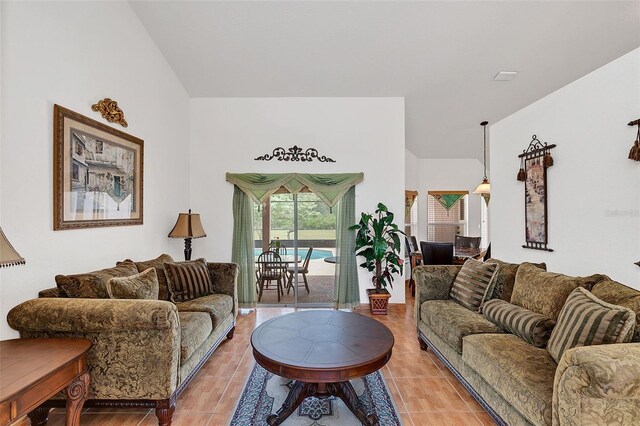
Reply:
x=535 y=193
x=97 y=173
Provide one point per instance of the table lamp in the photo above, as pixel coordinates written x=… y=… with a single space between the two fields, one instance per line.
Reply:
x=188 y=226
x=8 y=255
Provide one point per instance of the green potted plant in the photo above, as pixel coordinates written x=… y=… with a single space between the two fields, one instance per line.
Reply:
x=378 y=242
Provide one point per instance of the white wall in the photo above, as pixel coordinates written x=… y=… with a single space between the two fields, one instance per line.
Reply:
x=411 y=164
x=361 y=134
x=449 y=175
x=73 y=54
x=593 y=189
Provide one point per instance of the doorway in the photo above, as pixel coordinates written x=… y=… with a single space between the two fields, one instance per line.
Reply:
x=302 y=229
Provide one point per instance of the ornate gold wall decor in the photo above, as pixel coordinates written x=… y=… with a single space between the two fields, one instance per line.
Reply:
x=110 y=111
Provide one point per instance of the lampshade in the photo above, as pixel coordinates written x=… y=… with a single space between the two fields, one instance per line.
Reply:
x=188 y=225
x=483 y=188
x=8 y=255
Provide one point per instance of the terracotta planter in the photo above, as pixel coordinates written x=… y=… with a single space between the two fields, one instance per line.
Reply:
x=378 y=302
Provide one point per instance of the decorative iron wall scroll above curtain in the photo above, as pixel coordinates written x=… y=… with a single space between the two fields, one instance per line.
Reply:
x=534 y=162
x=295 y=153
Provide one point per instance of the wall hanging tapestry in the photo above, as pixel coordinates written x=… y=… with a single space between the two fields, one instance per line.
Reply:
x=295 y=153
x=97 y=173
x=534 y=162
x=110 y=111
x=634 y=154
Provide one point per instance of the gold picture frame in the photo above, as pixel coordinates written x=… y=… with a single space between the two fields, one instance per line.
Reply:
x=97 y=173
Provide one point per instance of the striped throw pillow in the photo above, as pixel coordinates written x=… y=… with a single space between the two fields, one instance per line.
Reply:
x=532 y=327
x=188 y=280
x=586 y=320
x=473 y=284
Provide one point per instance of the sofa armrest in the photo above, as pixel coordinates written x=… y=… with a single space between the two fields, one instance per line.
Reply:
x=225 y=280
x=433 y=283
x=598 y=385
x=136 y=343
x=91 y=315
x=50 y=292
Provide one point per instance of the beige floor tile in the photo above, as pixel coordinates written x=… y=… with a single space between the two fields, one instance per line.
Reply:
x=444 y=419
x=422 y=395
x=485 y=419
x=180 y=419
x=412 y=365
x=100 y=419
x=202 y=395
x=466 y=396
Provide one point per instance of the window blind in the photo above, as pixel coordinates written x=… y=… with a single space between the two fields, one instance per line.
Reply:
x=443 y=224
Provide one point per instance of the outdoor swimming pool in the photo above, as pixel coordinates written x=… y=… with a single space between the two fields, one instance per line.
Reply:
x=302 y=252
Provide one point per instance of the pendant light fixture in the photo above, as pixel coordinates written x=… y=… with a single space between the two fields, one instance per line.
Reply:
x=484 y=188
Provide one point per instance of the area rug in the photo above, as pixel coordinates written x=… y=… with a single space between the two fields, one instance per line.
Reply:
x=264 y=394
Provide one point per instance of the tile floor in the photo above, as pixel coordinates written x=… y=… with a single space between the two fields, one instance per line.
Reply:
x=424 y=390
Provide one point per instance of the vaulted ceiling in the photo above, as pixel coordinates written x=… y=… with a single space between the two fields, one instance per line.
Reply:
x=440 y=55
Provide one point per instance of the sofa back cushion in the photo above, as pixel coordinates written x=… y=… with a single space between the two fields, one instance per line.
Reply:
x=93 y=285
x=534 y=328
x=157 y=264
x=545 y=292
x=138 y=286
x=586 y=320
x=188 y=280
x=506 y=277
x=619 y=294
x=473 y=284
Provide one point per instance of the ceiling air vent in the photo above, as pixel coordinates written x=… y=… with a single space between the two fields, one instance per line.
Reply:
x=505 y=75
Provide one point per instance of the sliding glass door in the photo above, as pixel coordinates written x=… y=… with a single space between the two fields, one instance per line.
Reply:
x=302 y=229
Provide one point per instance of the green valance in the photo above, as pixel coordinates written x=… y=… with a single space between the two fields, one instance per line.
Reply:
x=328 y=187
x=448 y=199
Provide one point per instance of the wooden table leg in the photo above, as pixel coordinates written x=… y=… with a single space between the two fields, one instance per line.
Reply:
x=297 y=394
x=346 y=392
x=76 y=393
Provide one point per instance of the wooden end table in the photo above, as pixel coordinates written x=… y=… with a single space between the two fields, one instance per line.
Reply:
x=34 y=370
x=321 y=351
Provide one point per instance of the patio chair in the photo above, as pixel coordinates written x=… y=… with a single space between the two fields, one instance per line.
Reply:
x=270 y=267
x=304 y=270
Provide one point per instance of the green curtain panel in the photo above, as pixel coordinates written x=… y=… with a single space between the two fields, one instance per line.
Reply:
x=347 y=291
x=329 y=187
x=242 y=248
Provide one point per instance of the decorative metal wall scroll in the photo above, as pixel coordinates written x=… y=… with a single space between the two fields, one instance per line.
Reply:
x=534 y=162
x=295 y=153
x=110 y=111
x=634 y=154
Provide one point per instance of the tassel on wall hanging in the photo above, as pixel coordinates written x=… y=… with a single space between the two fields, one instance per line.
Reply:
x=634 y=154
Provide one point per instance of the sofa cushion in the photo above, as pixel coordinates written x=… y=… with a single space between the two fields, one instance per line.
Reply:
x=619 y=294
x=545 y=292
x=138 y=286
x=473 y=284
x=157 y=264
x=452 y=321
x=532 y=327
x=586 y=320
x=195 y=327
x=188 y=280
x=506 y=277
x=218 y=306
x=521 y=373
x=93 y=285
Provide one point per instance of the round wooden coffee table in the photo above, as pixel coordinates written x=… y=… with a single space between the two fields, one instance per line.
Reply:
x=321 y=351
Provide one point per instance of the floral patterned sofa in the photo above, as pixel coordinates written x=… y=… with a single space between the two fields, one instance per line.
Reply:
x=144 y=352
x=516 y=382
